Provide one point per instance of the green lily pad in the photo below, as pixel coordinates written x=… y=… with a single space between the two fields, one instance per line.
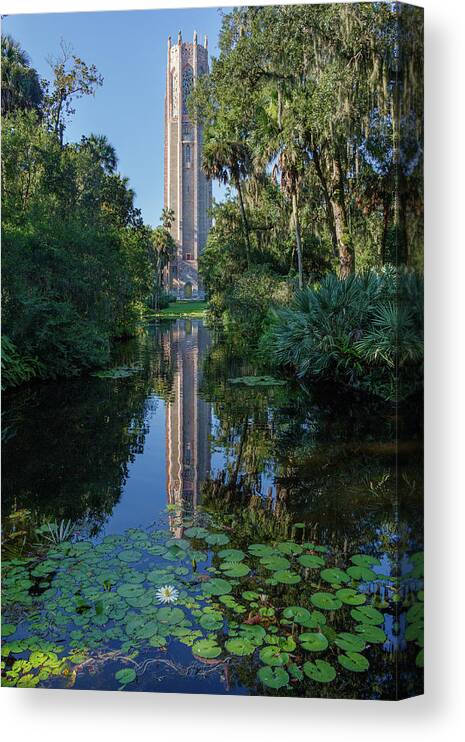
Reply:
x=361 y=573
x=273 y=656
x=326 y=601
x=371 y=634
x=157 y=641
x=273 y=677
x=235 y=569
x=217 y=586
x=350 y=642
x=420 y=658
x=350 y=596
x=125 y=676
x=334 y=575
x=240 y=646
x=170 y=616
x=206 y=648
x=231 y=555
x=354 y=662
x=311 y=561
x=286 y=577
x=130 y=590
x=129 y=555
x=217 y=539
x=140 y=601
x=296 y=613
x=364 y=560
x=250 y=595
x=211 y=621
x=320 y=671
x=121 y=372
x=275 y=563
x=257 y=381
x=261 y=550
x=367 y=614
x=8 y=629
x=253 y=632
x=289 y=547
x=313 y=641
x=142 y=627
x=196 y=532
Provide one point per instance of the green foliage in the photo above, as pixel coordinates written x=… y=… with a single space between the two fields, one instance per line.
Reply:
x=16 y=368
x=76 y=263
x=365 y=330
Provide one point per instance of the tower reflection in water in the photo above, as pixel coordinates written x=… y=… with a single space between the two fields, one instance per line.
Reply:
x=188 y=417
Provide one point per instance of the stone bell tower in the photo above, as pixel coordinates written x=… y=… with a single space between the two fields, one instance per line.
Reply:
x=186 y=189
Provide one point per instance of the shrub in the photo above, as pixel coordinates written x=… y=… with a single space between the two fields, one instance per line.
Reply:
x=365 y=330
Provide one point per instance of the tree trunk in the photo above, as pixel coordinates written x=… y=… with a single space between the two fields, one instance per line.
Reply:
x=327 y=200
x=298 y=241
x=245 y=224
x=345 y=251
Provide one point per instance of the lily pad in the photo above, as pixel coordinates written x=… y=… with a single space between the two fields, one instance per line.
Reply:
x=289 y=547
x=311 y=561
x=326 y=601
x=231 y=555
x=125 y=676
x=196 y=532
x=354 y=662
x=235 y=569
x=206 y=648
x=371 y=634
x=240 y=646
x=8 y=629
x=217 y=539
x=320 y=671
x=273 y=656
x=313 y=641
x=364 y=560
x=130 y=590
x=286 y=577
x=361 y=573
x=129 y=555
x=257 y=381
x=211 y=621
x=217 y=586
x=261 y=550
x=350 y=642
x=273 y=677
x=120 y=372
x=367 y=614
x=275 y=562
x=350 y=596
x=170 y=616
x=334 y=576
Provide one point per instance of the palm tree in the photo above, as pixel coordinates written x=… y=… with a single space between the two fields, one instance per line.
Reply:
x=163 y=249
x=101 y=149
x=21 y=88
x=229 y=161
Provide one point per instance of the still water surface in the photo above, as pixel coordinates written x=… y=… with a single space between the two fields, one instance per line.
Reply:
x=178 y=438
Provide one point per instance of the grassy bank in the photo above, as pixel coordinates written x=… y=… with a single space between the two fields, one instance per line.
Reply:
x=181 y=310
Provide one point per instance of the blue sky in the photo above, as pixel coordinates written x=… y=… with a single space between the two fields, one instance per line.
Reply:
x=129 y=50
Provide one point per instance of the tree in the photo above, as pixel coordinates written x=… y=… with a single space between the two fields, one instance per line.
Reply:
x=72 y=79
x=228 y=162
x=162 y=251
x=21 y=87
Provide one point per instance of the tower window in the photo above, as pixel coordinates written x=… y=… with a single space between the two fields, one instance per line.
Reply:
x=188 y=154
x=188 y=255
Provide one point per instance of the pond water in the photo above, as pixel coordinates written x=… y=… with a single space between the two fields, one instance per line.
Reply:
x=285 y=520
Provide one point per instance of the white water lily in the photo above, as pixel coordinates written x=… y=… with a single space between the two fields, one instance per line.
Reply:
x=167 y=594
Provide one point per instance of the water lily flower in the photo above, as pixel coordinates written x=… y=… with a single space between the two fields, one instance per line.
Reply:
x=167 y=594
